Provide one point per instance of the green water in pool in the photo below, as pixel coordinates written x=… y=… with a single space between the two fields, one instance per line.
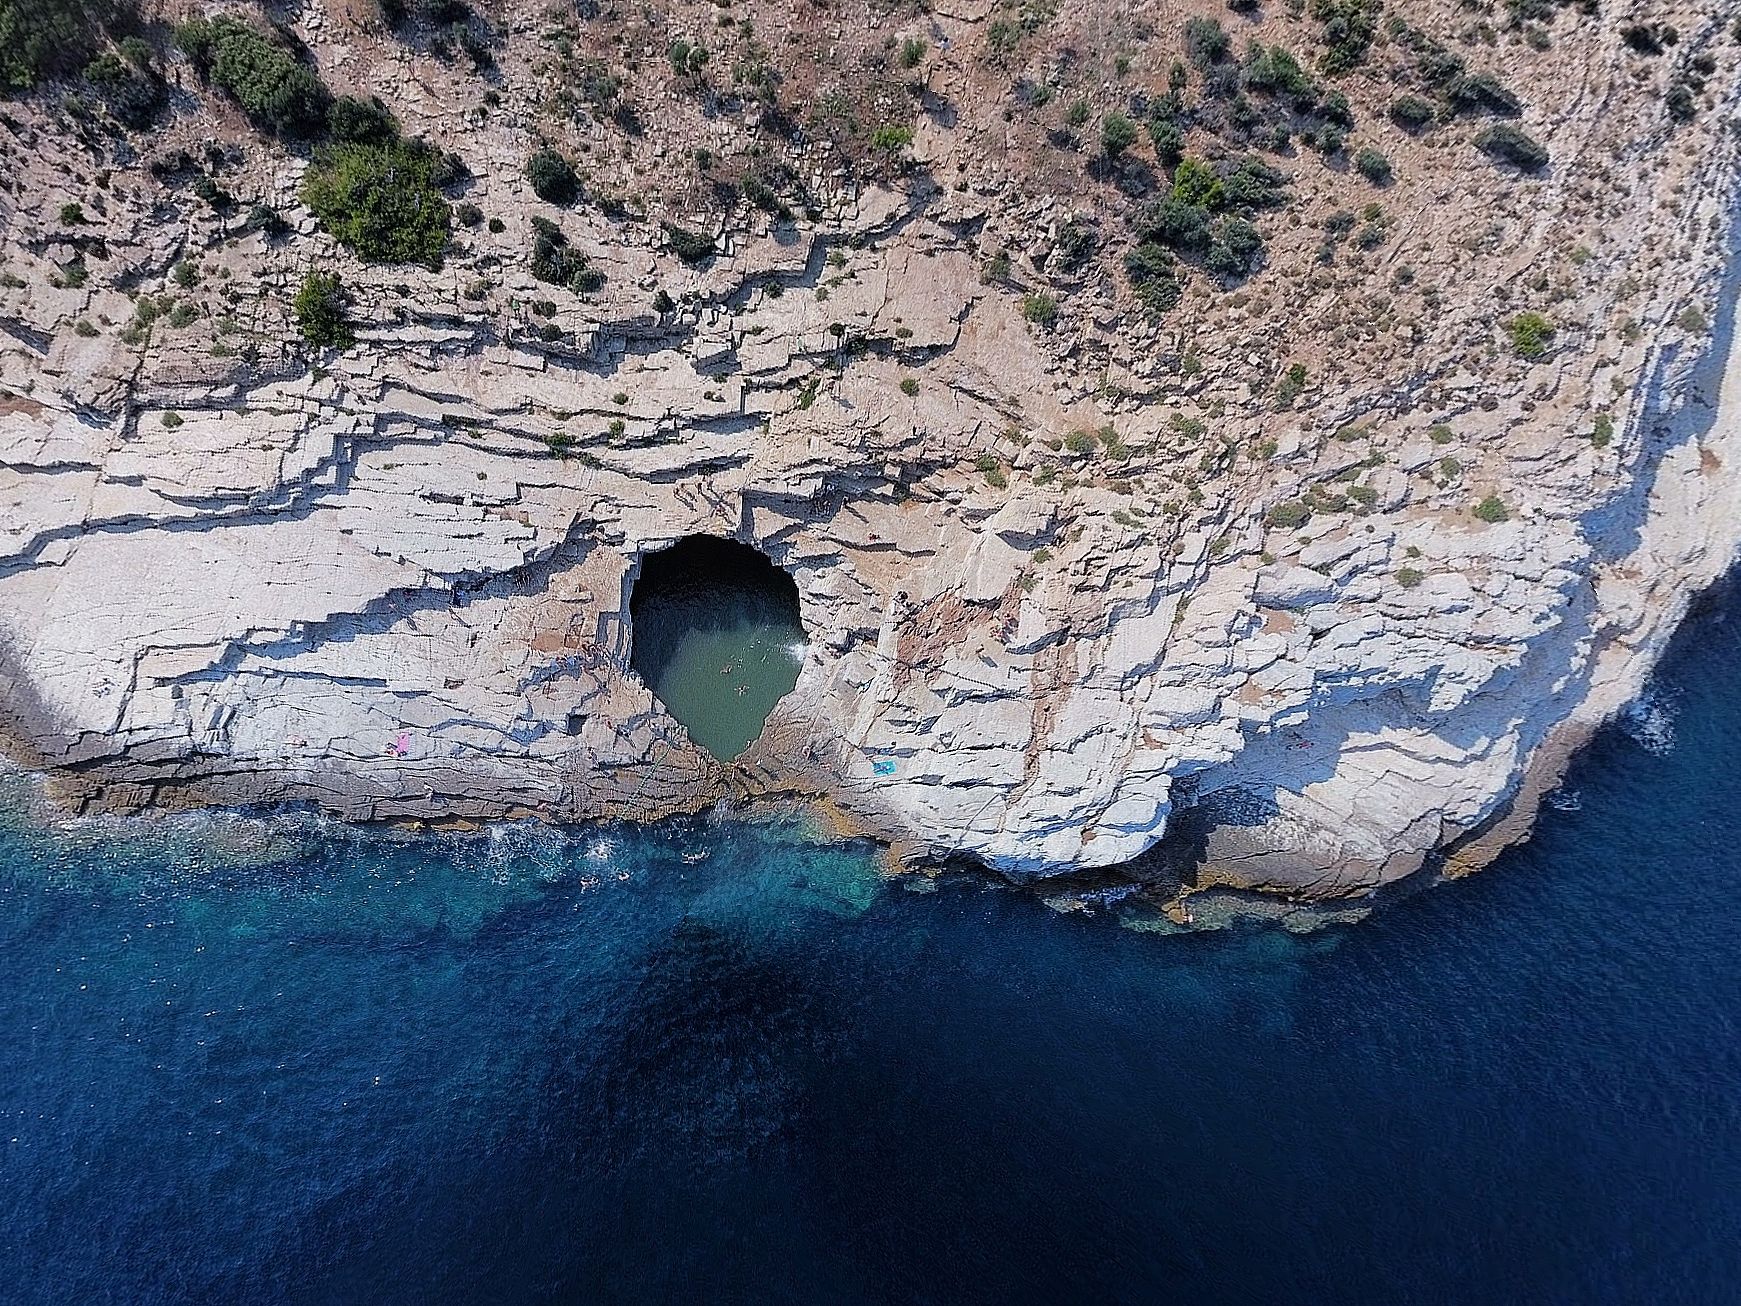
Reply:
x=717 y=637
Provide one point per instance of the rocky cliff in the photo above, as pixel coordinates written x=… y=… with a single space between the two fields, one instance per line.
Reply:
x=1295 y=574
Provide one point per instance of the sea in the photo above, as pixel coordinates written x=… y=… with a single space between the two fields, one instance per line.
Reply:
x=266 y=1058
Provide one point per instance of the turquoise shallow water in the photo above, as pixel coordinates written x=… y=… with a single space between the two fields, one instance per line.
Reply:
x=280 y=1061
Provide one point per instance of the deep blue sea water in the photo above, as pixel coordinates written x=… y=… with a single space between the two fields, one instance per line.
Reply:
x=717 y=1062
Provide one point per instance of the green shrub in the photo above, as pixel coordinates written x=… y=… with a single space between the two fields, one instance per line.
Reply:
x=258 y=73
x=554 y=261
x=909 y=386
x=1168 y=138
x=1292 y=385
x=1153 y=277
x=553 y=177
x=171 y=418
x=1290 y=516
x=1481 y=93
x=1206 y=42
x=690 y=246
x=891 y=138
x=1117 y=134
x=1040 y=308
x=72 y=215
x=1081 y=442
x=133 y=90
x=264 y=218
x=1511 y=145
x=1173 y=223
x=40 y=39
x=1602 y=432
x=1491 y=509
x=320 y=311
x=360 y=122
x=686 y=60
x=1372 y=165
x=1273 y=70
x=1530 y=333
x=1253 y=184
x=380 y=201
x=1411 y=112
x=1409 y=577
x=1349 y=26
x=1235 y=248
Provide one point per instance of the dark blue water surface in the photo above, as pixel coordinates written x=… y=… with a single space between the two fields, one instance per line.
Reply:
x=245 y=1062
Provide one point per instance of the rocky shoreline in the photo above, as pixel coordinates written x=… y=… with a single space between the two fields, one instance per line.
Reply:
x=1085 y=598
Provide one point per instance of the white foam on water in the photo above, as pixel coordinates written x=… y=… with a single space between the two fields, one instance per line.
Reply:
x=1649 y=722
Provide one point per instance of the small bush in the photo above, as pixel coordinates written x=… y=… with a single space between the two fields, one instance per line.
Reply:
x=1289 y=516
x=171 y=418
x=1041 y=309
x=72 y=215
x=1530 y=333
x=320 y=311
x=554 y=261
x=1411 y=113
x=1292 y=385
x=1372 y=165
x=690 y=246
x=1409 y=577
x=40 y=39
x=1482 y=93
x=1206 y=42
x=1235 y=248
x=553 y=177
x=257 y=72
x=909 y=386
x=380 y=201
x=1117 y=134
x=132 y=89
x=1349 y=26
x=1168 y=138
x=360 y=122
x=1602 y=432
x=1492 y=509
x=686 y=60
x=1511 y=145
x=891 y=138
x=1153 y=277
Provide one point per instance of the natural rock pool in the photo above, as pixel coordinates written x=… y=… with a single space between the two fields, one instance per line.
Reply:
x=717 y=637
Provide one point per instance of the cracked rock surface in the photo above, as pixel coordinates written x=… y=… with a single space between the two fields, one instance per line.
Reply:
x=1052 y=580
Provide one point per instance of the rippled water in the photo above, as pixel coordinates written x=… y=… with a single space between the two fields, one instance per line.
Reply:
x=245 y=1062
